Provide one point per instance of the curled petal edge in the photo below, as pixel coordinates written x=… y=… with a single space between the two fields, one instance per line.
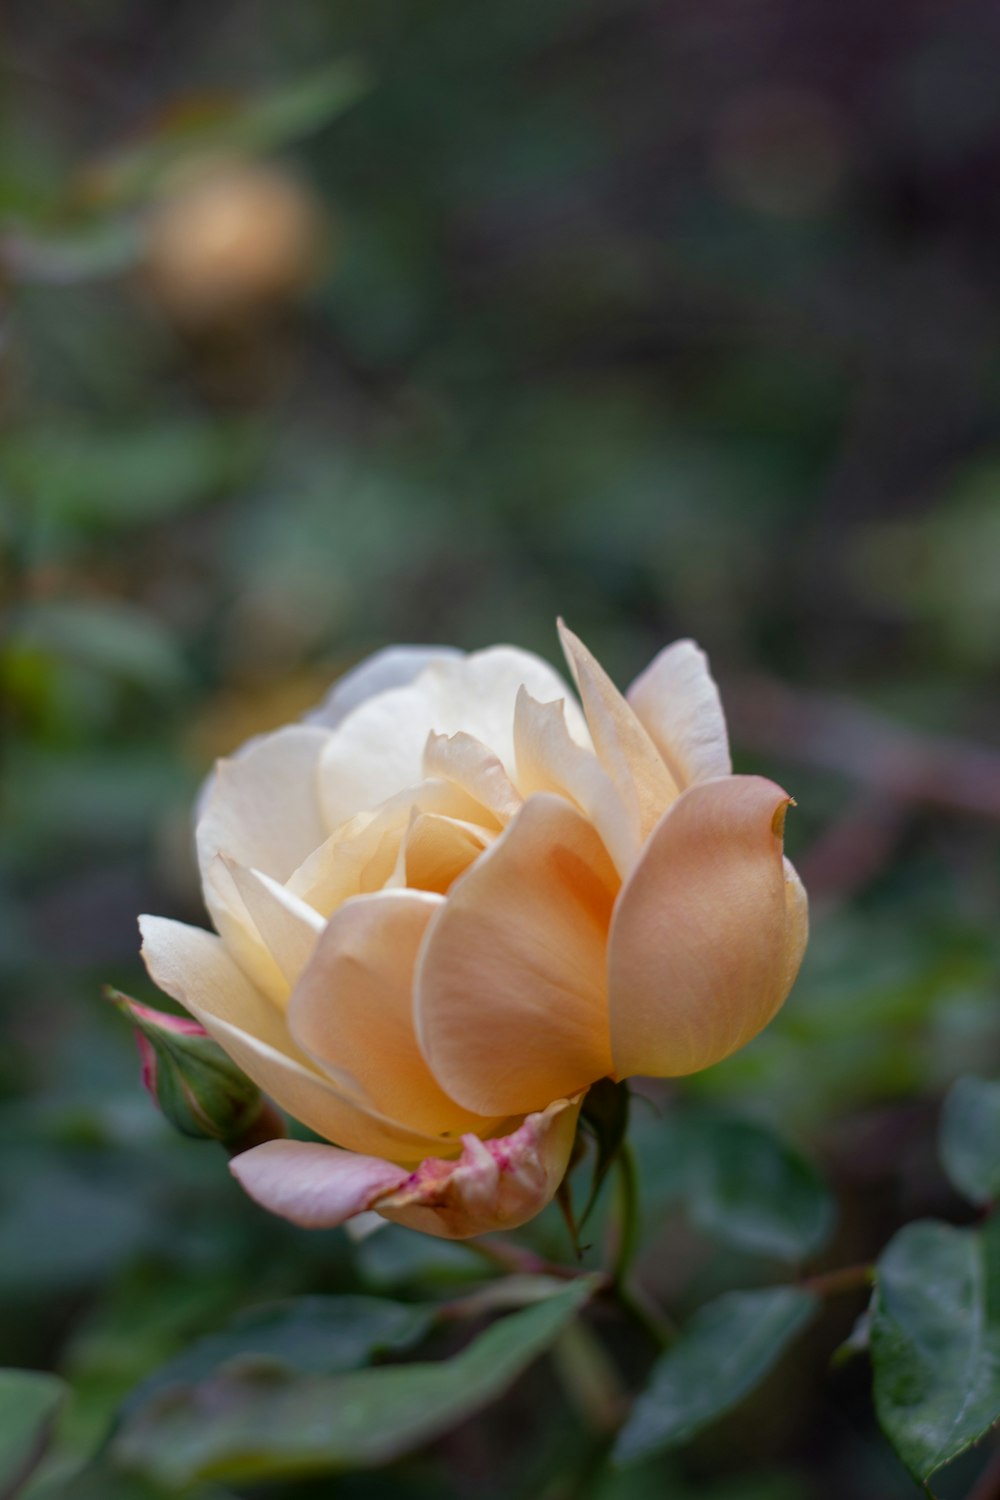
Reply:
x=495 y=1184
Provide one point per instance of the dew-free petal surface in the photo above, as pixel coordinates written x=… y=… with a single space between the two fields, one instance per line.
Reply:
x=511 y=990
x=353 y=1009
x=678 y=703
x=708 y=932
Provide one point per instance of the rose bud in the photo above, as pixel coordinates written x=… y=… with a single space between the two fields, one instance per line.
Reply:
x=454 y=898
x=192 y=1081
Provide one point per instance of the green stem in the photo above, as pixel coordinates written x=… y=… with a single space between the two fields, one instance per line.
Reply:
x=626 y=1291
x=628 y=1215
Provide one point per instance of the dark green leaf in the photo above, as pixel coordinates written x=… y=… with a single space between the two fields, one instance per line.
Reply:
x=970 y=1138
x=935 y=1341
x=723 y=1353
x=29 y=1405
x=749 y=1189
x=271 y=1423
x=605 y=1112
x=303 y=1335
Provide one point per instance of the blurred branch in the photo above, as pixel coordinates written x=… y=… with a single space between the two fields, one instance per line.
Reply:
x=899 y=769
x=834 y=734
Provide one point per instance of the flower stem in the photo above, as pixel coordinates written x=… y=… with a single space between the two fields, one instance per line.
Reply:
x=845 y=1279
x=628 y=1215
x=629 y=1295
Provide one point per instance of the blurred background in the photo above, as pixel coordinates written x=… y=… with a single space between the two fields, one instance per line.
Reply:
x=346 y=322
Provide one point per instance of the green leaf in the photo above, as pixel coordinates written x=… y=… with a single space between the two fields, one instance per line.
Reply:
x=302 y=1335
x=605 y=1112
x=29 y=1404
x=226 y=124
x=257 y=1424
x=112 y=637
x=970 y=1138
x=751 y=1190
x=935 y=1341
x=104 y=477
x=723 y=1353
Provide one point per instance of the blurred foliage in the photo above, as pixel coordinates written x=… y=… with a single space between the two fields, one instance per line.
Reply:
x=674 y=318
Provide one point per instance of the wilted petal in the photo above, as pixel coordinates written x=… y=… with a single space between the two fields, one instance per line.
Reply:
x=393 y=667
x=677 y=701
x=353 y=1008
x=495 y=1184
x=511 y=989
x=379 y=747
x=708 y=933
x=315 y=1186
x=193 y=967
x=623 y=746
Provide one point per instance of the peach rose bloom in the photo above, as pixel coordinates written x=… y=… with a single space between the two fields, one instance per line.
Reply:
x=453 y=899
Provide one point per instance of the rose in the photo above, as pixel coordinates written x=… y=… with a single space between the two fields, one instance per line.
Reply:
x=450 y=901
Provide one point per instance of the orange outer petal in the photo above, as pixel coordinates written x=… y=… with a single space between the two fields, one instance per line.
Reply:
x=709 y=932
x=352 y=1009
x=511 y=998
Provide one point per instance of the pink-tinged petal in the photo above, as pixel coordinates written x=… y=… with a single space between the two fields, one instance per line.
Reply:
x=287 y=925
x=708 y=933
x=495 y=1184
x=316 y=1187
x=353 y=1009
x=470 y=764
x=392 y=667
x=677 y=701
x=623 y=746
x=194 y=968
x=263 y=807
x=511 y=1001
x=379 y=747
x=549 y=759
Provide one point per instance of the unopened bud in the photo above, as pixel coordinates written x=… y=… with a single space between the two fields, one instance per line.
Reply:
x=192 y=1081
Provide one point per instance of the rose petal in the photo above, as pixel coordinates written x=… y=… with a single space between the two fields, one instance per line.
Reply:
x=470 y=764
x=707 y=936
x=235 y=926
x=379 y=748
x=317 y=1187
x=623 y=747
x=353 y=1008
x=392 y=667
x=193 y=967
x=263 y=808
x=495 y=1184
x=359 y=857
x=677 y=701
x=550 y=760
x=436 y=851
x=511 y=998
x=287 y=925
